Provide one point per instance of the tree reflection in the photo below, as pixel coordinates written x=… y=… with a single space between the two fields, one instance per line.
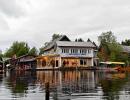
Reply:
x=70 y=84
x=18 y=82
x=112 y=87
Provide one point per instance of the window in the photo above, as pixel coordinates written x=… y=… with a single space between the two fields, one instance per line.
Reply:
x=88 y=50
x=80 y=51
x=65 y=50
x=83 y=51
x=81 y=62
x=71 y=50
x=74 y=51
x=85 y=63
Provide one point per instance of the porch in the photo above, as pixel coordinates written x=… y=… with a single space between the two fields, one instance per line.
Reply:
x=56 y=62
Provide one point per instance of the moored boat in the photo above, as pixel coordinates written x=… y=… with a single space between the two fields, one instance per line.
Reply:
x=111 y=66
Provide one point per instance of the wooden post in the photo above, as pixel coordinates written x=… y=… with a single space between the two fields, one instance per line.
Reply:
x=60 y=65
x=55 y=61
x=3 y=65
x=47 y=91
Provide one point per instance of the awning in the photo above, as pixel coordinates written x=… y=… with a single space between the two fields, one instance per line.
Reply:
x=48 y=55
x=108 y=63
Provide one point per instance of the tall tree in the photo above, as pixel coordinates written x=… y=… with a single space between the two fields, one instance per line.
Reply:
x=41 y=50
x=126 y=42
x=79 y=40
x=55 y=36
x=115 y=51
x=1 y=55
x=76 y=40
x=18 y=49
x=107 y=37
x=110 y=49
x=33 y=51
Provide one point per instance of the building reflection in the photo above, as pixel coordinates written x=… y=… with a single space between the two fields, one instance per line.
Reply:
x=109 y=86
x=69 y=81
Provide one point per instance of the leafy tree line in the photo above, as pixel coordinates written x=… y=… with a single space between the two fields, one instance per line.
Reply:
x=109 y=49
x=19 y=49
x=126 y=42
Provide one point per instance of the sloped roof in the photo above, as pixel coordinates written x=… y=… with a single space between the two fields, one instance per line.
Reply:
x=28 y=60
x=76 y=44
x=126 y=48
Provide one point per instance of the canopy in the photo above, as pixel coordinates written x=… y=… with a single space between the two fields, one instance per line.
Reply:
x=109 y=62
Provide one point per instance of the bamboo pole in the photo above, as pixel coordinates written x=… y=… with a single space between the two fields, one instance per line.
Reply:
x=47 y=91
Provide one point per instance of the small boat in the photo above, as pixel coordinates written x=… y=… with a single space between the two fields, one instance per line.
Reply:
x=111 y=66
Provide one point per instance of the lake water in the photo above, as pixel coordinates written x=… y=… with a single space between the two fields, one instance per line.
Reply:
x=65 y=85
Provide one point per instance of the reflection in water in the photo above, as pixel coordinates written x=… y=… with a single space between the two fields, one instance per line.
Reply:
x=65 y=85
x=19 y=81
x=69 y=82
x=113 y=86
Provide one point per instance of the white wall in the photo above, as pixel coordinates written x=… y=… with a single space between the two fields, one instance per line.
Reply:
x=90 y=54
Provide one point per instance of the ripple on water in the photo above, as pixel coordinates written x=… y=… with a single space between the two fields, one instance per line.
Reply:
x=71 y=85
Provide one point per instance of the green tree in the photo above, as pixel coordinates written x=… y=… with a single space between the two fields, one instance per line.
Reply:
x=55 y=36
x=41 y=50
x=115 y=50
x=76 y=40
x=33 y=51
x=79 y=40
x=107 y=37
x=18 y=49
x=1 y=55
x=110 y=48
x=126 y=42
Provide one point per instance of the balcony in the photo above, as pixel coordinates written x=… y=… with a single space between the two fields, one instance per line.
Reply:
x=76 y=55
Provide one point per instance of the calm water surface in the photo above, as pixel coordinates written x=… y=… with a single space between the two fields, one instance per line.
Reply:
x=67 y=85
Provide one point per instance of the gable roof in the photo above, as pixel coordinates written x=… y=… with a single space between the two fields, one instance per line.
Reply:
x=75 y=44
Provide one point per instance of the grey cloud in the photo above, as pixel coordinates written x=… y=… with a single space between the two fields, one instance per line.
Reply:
x=11 y=8
x=68 y=16
x=3 y=24
x=80 y=17
x=76 y=18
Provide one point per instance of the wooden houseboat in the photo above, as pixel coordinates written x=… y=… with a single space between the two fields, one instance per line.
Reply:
x=25 y=62
x=62 y=53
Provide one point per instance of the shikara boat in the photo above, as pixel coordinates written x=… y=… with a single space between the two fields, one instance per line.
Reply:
x=111 y=66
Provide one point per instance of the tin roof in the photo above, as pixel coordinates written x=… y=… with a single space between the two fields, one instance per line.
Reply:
x=65 y=41
x=75 y=44
x=126 y=48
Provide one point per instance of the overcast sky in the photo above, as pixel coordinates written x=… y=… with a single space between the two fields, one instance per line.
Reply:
x=34 y=21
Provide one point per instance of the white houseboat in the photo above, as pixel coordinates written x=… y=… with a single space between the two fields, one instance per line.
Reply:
x=64 y=53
